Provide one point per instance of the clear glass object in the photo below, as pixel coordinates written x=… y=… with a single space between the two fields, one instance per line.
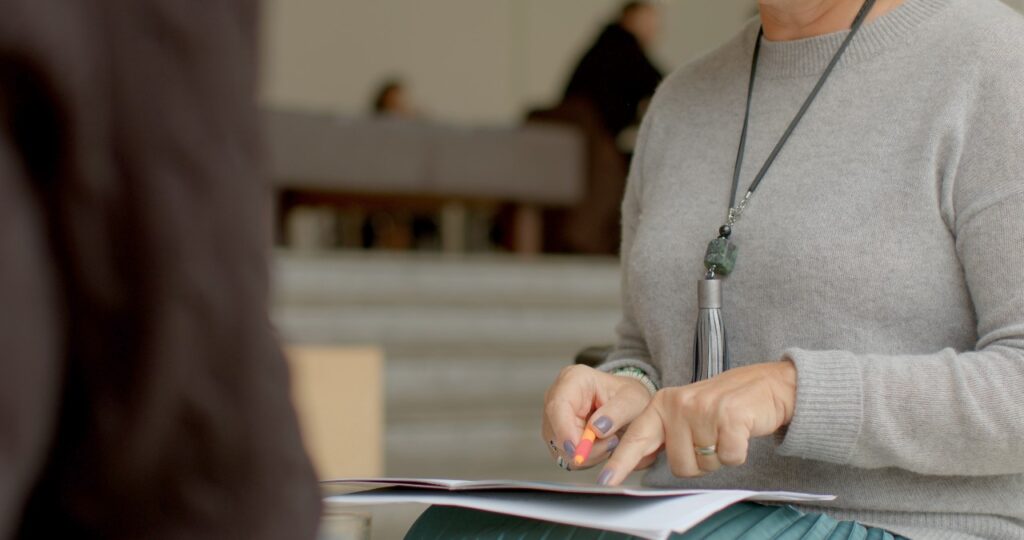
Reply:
x=341 y=523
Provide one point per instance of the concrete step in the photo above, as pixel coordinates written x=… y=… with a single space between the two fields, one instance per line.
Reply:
x=480 y=280
x=471 y=345
x=449 y=385
x=425 y=325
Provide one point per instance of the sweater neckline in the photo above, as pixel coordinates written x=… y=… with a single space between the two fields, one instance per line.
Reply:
x=809 y=56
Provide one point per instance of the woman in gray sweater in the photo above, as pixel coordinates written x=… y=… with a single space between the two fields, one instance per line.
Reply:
x=875 y=312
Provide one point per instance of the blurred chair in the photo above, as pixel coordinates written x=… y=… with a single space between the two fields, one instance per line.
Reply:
x=338 y=394
x=590 y=226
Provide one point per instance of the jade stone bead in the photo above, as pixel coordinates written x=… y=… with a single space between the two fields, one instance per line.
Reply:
x=721 y=255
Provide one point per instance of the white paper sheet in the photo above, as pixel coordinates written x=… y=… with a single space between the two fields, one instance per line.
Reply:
x=447 y=484
x=644 y=512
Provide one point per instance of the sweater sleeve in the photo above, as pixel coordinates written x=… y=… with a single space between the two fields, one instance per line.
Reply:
x=950 y=412
x=631 y=348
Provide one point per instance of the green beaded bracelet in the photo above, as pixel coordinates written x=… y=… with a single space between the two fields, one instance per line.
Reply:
x=638 y=374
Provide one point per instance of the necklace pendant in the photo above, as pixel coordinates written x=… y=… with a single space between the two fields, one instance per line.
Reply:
x=710 y=348
x=720 y=256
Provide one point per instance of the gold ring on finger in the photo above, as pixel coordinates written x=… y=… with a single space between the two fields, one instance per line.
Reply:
x=705 y=450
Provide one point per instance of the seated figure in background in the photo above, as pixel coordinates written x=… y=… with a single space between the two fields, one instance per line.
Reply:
x=604 y=99
x=392 y=100
x=615 y=74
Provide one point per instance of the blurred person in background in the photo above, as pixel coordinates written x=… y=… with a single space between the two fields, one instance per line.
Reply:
x=604 y=101
x=143 y=393
x=392 y=100
x=398 y=230
x=615 y=74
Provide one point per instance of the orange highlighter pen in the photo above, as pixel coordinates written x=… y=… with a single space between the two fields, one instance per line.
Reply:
x=586 y=445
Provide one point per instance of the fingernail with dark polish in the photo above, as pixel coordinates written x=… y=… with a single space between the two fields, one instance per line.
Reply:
x=612 y=443
x=606 y=476
x=570 y=448
x=603 y=424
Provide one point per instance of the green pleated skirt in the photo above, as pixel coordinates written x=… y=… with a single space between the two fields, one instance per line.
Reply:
x=742 y=521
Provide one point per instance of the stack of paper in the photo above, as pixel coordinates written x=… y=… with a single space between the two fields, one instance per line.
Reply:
x=644 y=512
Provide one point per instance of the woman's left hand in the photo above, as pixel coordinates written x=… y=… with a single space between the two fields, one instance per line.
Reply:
x=708 y=424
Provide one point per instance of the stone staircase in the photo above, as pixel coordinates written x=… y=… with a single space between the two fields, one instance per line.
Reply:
x=471 y=343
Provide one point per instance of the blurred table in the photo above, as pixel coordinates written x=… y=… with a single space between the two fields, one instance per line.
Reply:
x=329 y=159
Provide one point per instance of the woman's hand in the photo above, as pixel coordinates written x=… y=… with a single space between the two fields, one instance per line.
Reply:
x=610 y=402
x=718 y=416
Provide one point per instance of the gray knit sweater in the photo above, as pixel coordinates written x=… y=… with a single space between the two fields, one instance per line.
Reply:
x=883 y=254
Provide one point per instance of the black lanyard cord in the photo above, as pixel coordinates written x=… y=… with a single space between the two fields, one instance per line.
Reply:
x=857 y=23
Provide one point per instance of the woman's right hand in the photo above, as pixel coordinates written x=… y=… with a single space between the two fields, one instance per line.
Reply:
x=582 y=395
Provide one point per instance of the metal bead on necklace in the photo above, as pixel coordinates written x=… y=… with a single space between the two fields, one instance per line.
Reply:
x=710 y=348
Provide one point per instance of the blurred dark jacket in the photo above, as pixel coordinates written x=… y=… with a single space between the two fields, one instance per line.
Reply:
x=142 y=391
x=616 y=75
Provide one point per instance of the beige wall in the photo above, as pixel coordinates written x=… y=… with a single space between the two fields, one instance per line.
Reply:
x=468 y=61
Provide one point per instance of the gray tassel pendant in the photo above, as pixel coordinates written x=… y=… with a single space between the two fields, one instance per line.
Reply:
x=710 y=349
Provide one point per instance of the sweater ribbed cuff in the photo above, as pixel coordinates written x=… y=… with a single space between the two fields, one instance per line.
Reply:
x=829 y=406
x=647 y=368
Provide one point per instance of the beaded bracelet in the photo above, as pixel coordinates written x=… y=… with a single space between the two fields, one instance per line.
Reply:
x=638 y=374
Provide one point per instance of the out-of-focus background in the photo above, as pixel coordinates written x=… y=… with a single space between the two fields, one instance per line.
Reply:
x=446 y=213
x=468 y=61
